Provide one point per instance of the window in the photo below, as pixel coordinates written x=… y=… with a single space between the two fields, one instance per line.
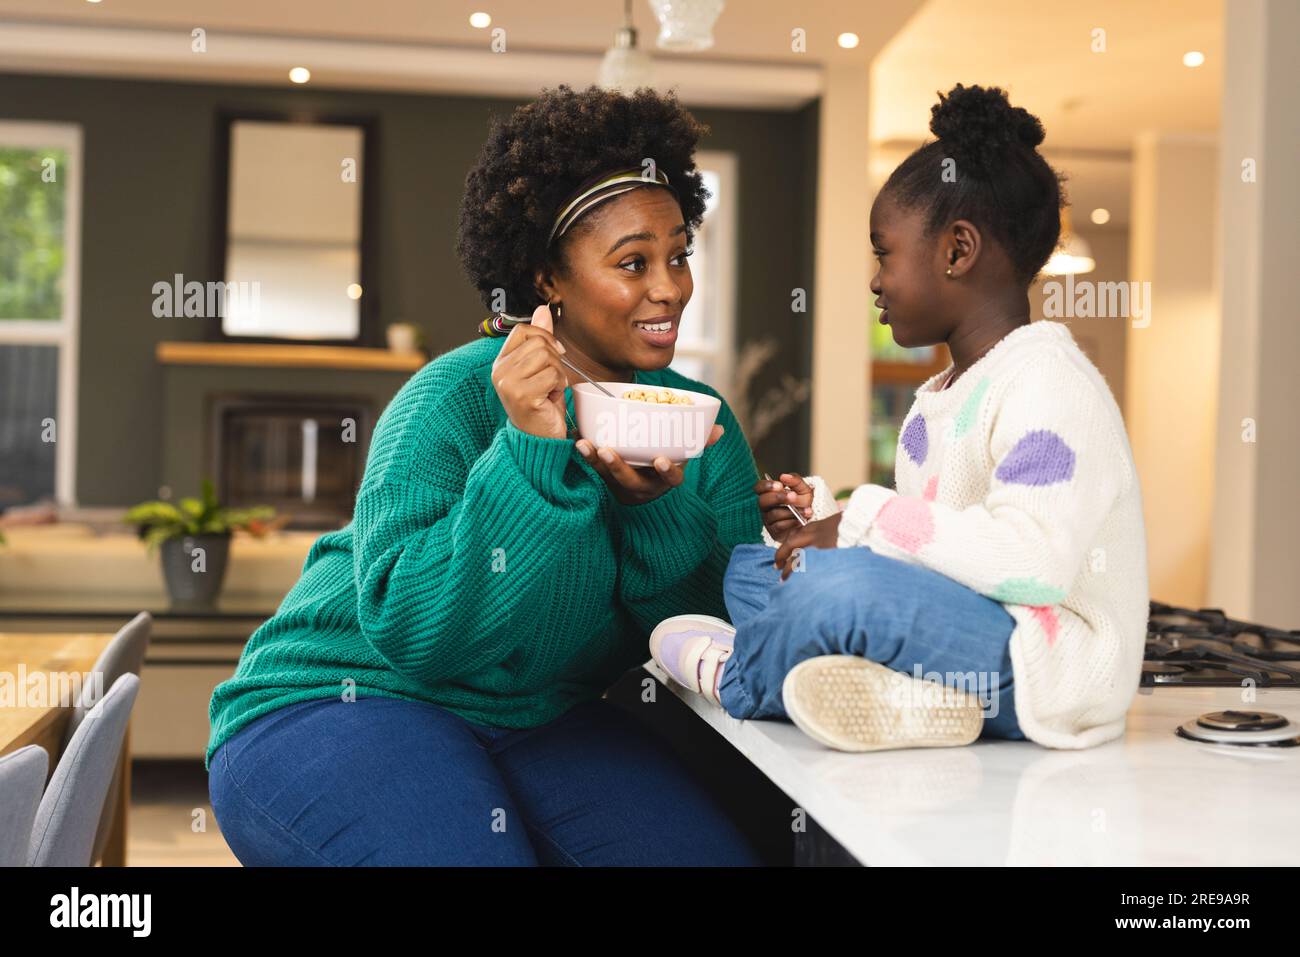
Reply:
x=40 y=206
x=706 y=340
x=896 y=373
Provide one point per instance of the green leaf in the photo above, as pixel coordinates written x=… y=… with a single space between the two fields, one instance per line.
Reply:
x=156 y=536
x=209 y=496
x=154 y=513
x=240 y=517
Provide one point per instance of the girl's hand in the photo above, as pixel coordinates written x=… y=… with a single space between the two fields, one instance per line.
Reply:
x=637 y=485
x=773 y=497
x=823 y=533
x=529 y=378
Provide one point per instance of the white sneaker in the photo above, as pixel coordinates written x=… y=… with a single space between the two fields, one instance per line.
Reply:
x=850 y=703
x=691 y=648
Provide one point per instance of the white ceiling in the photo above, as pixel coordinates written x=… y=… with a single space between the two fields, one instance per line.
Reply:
x=747 y=29
x=428 y=45
x=1093 y=105
x=1040 y=53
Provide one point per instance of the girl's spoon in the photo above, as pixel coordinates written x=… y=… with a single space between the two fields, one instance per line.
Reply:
x=793 y=511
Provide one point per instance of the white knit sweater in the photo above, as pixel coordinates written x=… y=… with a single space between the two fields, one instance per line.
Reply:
x=1018 y=481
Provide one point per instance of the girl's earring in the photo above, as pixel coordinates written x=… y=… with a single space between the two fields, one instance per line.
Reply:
x=949 y=272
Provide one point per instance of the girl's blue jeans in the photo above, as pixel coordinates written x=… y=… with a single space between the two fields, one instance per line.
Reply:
x=387 y=781
x=854 y=601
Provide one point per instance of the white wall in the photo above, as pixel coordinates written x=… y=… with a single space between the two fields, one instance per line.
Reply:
x=1172 y=361
x=1255 y=562
x=841 y=374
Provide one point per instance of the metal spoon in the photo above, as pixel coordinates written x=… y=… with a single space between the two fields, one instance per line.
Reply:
x=587 y=377
x=793 y=511
x=516 y=320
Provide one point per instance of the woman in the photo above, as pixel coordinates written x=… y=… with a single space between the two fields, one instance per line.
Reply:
x=430 y=691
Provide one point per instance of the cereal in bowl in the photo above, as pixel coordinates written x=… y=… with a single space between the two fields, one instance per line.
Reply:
x=658 y=396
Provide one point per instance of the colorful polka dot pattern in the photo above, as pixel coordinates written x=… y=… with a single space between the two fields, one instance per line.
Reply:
x=1039 y=597
x=1027 y=591
x=916 y=441
x=1040 y=458
x=906 y=522
x=931 y=489
x=1046 y=617
x=970 y=409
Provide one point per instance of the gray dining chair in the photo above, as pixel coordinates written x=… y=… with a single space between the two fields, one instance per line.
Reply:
x=69 y=814
x=124 y=655
x=22 y=779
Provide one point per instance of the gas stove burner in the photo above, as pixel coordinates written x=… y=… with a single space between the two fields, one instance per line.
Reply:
x=1205 y=647
x=1258 y=729
x=1162 y=673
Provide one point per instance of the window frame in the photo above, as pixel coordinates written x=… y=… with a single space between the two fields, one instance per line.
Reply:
x=65 y=331
x=371 y=330
x=723 y=227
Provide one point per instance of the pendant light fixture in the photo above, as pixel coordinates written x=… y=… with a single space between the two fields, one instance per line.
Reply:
x=626 y=66
x=1073 y=254
x=686 y=25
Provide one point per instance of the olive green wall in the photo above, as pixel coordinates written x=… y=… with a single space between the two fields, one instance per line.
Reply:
x=186 y=412
x=149 y=208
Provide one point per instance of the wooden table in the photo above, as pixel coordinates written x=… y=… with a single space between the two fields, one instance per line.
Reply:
x=24 y=652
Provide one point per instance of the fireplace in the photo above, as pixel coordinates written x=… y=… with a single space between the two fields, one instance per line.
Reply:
x=303 y=455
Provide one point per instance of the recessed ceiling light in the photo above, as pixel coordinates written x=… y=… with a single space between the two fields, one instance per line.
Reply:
x=1193 y=58
x=300 y=74
x=1100 y=216
x=92 y=1
x=847 y=40
x=354 y=291
x=480 y=20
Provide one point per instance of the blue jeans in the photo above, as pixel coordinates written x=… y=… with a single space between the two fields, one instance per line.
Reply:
x=854 y=601
x=385 y=781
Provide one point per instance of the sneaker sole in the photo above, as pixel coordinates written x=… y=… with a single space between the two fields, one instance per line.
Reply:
x=852 y=704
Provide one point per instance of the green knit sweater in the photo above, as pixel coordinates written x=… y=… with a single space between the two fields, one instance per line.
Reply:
x=489 y=571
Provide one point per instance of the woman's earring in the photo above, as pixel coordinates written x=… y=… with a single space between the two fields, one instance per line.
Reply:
x=557 y=309
x=949 y=272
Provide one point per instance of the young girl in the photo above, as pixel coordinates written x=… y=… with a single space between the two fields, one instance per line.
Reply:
x=1002 y=589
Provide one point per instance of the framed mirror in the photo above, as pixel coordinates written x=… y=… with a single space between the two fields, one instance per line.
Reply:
x=296 y=243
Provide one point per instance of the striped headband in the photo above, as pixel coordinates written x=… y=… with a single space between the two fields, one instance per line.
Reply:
x=606 y=187
x=590 y=195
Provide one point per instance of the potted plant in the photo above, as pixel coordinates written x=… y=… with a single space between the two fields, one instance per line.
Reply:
x=195 y=540
x=405 y=337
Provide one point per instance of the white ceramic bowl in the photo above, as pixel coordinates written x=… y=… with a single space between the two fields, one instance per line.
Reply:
x=640 y=431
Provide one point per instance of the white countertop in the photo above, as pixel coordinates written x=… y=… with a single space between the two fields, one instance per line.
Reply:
x=1149 y=798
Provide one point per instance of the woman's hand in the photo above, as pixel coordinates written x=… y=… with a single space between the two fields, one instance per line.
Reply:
x=529 y=378
x=632 y=485
x=773 y=497
x=824 y=533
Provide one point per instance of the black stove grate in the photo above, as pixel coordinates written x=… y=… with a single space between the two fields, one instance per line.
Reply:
x=1207 y=648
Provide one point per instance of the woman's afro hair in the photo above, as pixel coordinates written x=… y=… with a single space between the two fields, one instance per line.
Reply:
x=539 y=155
x=985 y=167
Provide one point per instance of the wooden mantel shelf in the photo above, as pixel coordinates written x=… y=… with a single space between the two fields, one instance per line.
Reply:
x=286 y=355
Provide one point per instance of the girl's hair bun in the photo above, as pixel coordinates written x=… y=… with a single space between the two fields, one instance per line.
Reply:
x=977 y=125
